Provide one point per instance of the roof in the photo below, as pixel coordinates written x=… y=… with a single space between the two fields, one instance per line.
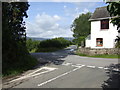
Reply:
x=100 y=13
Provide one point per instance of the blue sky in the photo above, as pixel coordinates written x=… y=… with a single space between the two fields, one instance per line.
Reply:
x=53 y=19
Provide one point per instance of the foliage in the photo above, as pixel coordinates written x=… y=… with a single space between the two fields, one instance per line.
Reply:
x=14 y=53
x=81 y=27
x=117 y=44
x=32 y=45
x=55 y=44
x=114 y=10
x=79 y=40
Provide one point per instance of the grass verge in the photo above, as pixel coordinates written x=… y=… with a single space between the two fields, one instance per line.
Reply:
x=26 y=63
x=99 y=56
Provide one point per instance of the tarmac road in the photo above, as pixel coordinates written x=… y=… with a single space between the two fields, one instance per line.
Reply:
x=66 y=70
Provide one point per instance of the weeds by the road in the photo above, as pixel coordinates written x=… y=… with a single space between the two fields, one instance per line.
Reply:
x=20 y=66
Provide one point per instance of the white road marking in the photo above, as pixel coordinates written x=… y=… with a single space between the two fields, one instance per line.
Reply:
x=106 y=68
x=50 y=80
x=66 y=64
x=33 y=73
x=91 y=66
x=75 y=65
x=46 y=68
x=101 y=67
x=79 y=64
x=116 y=69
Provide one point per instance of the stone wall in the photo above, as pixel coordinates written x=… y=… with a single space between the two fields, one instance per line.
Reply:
x=90 y=51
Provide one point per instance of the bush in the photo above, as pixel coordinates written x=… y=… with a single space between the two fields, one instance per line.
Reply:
x=52 y=44
x=117 y=44
x=32 y=45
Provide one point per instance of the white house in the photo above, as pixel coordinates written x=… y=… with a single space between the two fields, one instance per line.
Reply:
x=103 y=33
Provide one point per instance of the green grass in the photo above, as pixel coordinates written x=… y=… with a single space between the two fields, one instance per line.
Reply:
x=99 y=56
x=33 y=50
x=105 y=56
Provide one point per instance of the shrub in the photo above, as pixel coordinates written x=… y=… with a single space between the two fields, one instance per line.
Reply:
x=32 y=45
x=52 y=44
x=117 y=44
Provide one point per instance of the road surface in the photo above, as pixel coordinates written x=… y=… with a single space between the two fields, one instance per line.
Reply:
x=65 y=70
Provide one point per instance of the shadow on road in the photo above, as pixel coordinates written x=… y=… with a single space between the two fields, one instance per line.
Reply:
x=55 y=58
x=114 y=77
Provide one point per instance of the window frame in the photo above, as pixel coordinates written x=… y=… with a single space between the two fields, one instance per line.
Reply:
x=104 y=24
x=99 y=42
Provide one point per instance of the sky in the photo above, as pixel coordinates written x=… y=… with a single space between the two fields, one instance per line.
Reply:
x=54 y=19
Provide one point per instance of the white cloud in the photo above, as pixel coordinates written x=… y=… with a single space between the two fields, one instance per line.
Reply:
x=75 y=12
x=47 y=26
x=56 y=17
x=65 y=6
x=76 y=9
x=85 y=11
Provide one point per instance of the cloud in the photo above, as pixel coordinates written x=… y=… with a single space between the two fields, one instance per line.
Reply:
x=65 y=6
x=85 y=11
x=56 y=17
x=75 y=12
x=47 y=26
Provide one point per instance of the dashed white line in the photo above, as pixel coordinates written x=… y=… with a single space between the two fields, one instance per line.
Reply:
x=50 y=80
x=101 y=67
x=106 y=68
x=91 y=66
x=79 y=64
x=66 y=64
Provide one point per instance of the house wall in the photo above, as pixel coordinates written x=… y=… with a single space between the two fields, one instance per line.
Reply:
x=88 y=43
x=108 y=35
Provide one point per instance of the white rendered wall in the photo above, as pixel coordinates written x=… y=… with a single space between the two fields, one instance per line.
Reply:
x=88 y=43
x=108 y=35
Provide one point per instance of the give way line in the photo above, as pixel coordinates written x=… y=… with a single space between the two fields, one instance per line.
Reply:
x=50 y=80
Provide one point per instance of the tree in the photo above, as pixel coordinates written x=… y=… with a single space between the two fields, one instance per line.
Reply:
x=14 y=52
x=114 y=10
x=81 y=27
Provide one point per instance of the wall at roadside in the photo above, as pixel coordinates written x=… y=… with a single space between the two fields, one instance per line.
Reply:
x=89 y=51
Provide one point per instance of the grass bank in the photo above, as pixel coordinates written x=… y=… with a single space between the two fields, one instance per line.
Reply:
x=26 y=63
x=100 y=56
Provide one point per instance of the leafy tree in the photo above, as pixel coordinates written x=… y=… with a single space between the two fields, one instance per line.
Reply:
x=114 y=10
x=14 y=52
x=81 y=27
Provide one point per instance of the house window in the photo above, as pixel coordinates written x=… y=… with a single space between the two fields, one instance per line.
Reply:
x=99 y=42
x=105 y=24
